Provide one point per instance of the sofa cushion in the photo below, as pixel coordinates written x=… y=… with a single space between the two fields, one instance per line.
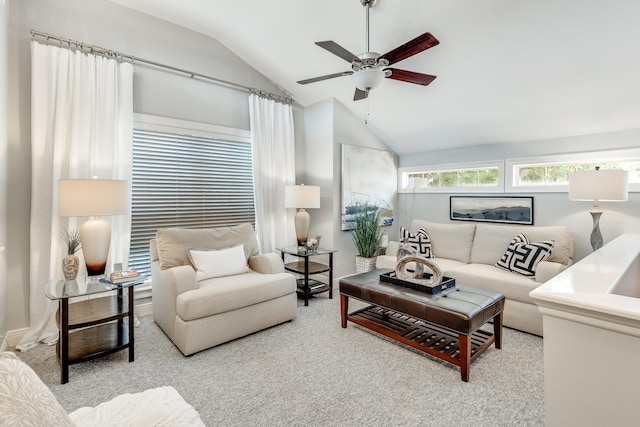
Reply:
x=222 y=294
x=174 y=243
x=522 y=256
x=218 y=263
x=491 y=241
x=24 y=399
x=512 y=286
x=419 y=240
x=451 y=241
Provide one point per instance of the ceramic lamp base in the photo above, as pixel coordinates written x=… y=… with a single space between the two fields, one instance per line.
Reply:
x=302 y=220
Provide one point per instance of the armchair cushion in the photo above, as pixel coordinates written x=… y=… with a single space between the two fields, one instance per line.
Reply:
x=174 y=243
x=218 y=263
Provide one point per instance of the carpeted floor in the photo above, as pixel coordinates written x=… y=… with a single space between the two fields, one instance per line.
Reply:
x=312 y=372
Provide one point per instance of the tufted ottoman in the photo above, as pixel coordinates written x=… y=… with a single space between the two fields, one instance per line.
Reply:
x=445 y=325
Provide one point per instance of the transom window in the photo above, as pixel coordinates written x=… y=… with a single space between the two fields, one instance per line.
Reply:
x=468 y=177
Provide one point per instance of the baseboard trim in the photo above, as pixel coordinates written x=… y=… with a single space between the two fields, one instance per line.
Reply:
x=14 y=336
x=144 y=309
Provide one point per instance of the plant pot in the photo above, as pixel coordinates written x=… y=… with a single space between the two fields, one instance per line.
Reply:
x=70 y=265
x=365 y=264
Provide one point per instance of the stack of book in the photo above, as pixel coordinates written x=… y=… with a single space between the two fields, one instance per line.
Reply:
x=122 y=276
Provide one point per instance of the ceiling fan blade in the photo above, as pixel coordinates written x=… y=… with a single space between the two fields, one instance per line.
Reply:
x=417 y=45
x=410 y=76
x=338 y=50
x=327 y=77
x=360 y=94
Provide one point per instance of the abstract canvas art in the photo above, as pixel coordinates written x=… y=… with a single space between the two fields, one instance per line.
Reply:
x=369 y=184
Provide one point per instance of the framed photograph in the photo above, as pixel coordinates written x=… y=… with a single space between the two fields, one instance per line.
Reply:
x=511 y=210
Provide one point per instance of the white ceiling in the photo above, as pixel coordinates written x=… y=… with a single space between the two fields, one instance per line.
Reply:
x=508 y=70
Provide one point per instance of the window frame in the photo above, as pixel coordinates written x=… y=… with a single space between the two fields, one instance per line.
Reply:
x=453 y=167
x=187 y=129
x=607 y=156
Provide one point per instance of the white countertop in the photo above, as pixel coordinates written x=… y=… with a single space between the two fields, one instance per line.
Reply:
x=603 y=289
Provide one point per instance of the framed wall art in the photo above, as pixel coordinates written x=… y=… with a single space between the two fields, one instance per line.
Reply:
x=511 y=210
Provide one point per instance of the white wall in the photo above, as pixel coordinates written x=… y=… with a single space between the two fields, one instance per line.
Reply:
x=549 y=208
x=109 y=25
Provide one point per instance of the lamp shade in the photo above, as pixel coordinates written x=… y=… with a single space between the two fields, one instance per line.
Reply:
x=600 y=185
x=302 y=196
x=92 y=197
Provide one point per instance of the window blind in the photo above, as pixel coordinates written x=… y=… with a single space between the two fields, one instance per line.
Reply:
x=189 y=182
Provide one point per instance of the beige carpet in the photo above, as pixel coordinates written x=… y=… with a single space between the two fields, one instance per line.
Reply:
x=312 y=372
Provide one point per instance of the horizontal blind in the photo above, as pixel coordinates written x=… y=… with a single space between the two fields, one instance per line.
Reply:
x=189 y=182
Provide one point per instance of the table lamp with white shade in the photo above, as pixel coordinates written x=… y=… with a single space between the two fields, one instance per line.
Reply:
x=302 y=197
x=93 y=198
x=598 y=186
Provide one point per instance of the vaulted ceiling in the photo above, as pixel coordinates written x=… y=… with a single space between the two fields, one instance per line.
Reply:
x=507 y=70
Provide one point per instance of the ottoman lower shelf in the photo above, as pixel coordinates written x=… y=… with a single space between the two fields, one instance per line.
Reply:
x=426 y=337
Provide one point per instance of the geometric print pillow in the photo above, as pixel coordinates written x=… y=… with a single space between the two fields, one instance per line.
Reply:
x=419 y=240
x=523 y=256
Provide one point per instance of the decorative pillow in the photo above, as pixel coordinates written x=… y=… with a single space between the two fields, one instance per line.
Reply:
x=419 y=240
x=24 y=399
x=218 y=263
x=523 y=256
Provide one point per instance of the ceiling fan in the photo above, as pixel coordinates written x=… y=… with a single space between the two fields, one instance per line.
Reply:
x=369 y=68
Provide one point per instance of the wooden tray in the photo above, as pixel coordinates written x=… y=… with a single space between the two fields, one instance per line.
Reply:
x=447 y=283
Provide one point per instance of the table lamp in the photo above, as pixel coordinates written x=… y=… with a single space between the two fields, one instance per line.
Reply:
x=93 y=198
x=302 y=197
x=598 y=186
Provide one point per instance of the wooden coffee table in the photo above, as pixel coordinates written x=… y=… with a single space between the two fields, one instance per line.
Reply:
x=446 y=325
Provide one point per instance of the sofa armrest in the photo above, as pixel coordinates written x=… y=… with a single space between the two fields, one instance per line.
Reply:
x=545 y=270
x=266 y=263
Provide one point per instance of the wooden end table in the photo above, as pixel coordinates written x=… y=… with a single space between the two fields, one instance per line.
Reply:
x=93 y=327
x=306 y=268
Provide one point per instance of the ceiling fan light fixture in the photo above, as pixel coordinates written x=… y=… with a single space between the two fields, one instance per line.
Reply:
x=367 y=78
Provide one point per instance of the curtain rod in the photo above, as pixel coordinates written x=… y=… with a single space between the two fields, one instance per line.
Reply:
x=97 y=50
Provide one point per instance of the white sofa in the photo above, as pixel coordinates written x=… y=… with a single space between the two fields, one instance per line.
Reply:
x=468 y=253
x=26 y=401
x=219 y=299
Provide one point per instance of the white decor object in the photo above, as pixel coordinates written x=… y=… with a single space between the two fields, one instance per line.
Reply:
x=302 y=197
x=598 y=186
x=93 y=198
x=367 y=78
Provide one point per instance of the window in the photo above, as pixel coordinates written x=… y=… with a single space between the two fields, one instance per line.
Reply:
x=551 y=173
x=466 y=177
x=186 y=175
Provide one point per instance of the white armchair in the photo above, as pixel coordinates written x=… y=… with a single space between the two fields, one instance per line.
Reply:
x=218 y=293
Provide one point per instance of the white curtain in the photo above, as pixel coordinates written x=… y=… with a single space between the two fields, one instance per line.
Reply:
x=81 y=126
x=272 y=139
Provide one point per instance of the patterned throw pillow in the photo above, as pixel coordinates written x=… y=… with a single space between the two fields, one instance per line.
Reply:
x=523 y=256
x=419 y=240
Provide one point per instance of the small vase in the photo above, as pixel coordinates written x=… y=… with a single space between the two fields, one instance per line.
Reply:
x=70 y=265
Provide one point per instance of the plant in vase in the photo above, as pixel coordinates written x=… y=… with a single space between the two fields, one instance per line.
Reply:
x=70 y=263
x=367 y=234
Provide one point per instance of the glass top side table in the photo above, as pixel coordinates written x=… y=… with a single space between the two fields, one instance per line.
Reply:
x=305 y=267
x=93 y=327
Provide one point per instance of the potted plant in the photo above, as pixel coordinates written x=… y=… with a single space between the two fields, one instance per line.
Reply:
x=366 y=234
x=70 y=263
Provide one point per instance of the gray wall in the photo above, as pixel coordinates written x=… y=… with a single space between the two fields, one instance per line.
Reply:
x=108 y=25
x=549 y=208
x=328 y=125
x=3 y=173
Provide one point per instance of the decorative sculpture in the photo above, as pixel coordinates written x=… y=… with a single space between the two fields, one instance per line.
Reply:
x=408 y=254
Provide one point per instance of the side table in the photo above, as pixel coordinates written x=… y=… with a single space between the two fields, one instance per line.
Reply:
x=306 y=268
x=93 y=327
